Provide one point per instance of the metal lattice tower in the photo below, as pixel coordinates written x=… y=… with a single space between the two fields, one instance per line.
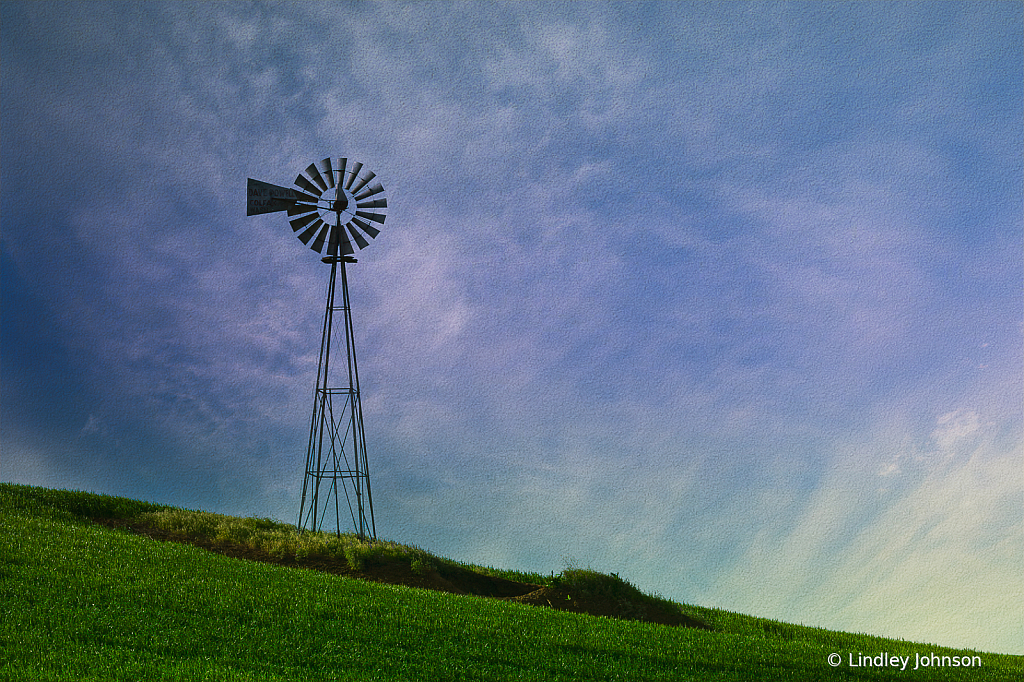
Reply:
x=334 y=205
x=336 y=455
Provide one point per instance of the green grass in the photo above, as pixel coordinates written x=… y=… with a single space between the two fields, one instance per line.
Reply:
x=84 y=602
x=280 y=539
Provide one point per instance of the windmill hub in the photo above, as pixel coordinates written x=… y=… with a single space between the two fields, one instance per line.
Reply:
x=340 y=202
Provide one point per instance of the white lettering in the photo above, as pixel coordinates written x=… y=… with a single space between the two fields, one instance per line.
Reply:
x=934 y=660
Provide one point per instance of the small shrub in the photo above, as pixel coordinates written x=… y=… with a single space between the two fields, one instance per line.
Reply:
x=354 y=557
x=593 y=585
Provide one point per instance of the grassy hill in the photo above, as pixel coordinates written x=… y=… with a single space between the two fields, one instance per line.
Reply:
x=87 y=593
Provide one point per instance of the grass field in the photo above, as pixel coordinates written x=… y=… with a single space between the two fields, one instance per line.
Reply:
x=81 y=601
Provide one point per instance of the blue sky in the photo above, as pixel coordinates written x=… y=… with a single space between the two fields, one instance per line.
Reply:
x=723 y=297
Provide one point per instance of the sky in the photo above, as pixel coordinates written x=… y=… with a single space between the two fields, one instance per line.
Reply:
x=723 y=297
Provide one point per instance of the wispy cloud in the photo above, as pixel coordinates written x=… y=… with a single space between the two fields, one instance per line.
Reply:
x=890 y=551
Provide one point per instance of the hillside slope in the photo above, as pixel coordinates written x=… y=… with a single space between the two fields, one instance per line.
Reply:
x=83 y=601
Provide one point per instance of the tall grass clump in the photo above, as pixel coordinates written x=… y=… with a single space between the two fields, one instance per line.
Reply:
x=281 y=540
x=592 y=585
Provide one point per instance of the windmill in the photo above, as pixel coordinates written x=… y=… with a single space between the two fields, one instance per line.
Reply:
x=335 y=205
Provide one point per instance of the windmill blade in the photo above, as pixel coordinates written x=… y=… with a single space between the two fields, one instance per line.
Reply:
x=346 y=245
x=353 y=173
x=362 y=183
x=332 y=243
x=310 y=231
x=314 y=174
x=376 y=203
x=342 y=162
x=369 y=192
x=339 y=240
x=328 y=171
x=318 y=243
x=365 y=227
x=375 y=217
x=305 y=184
x=358 y=237
x=301 y=222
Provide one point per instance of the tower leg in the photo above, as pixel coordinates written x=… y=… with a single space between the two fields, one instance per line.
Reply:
x=336 y=452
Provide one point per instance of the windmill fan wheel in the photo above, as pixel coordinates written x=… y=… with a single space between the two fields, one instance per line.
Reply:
x=337 y=205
